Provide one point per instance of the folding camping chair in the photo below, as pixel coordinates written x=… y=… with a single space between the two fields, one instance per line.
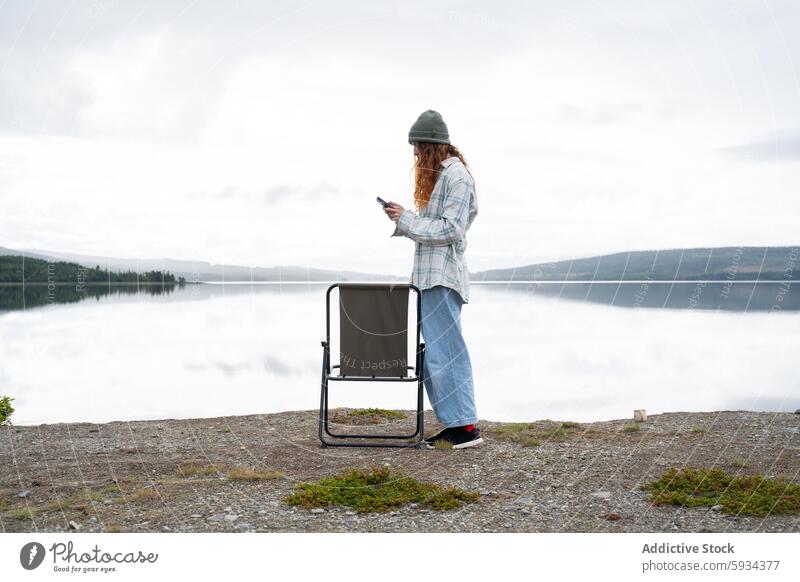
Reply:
x=373 y=346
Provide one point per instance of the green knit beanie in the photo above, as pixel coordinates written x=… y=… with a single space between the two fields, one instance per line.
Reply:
x=429 y=127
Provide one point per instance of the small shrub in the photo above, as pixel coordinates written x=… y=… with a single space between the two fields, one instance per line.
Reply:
x=193 y=469
x=6 y=410
x=531 y=434
x=54 y=505
x=93 y=496
x=143 y=495
x=528 y=441
x=630 y=427
x=22 y=513
x=517 y=432
x=242 y=473
x=558 y=433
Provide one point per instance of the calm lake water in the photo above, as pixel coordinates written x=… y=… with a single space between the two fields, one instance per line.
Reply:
x=574 y=351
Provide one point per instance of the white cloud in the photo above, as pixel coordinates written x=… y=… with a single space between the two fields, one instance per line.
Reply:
x=263 y=137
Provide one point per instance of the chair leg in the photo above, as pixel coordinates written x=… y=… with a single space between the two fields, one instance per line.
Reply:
x=323 y=413
x=323 y=398
x=420 y=399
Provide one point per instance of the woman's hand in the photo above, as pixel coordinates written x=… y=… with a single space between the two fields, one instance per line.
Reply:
x=393 y=211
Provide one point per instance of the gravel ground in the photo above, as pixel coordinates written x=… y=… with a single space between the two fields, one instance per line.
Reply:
x=126 y=476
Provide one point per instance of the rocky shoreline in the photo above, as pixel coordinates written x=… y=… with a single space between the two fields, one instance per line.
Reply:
x=233 y=473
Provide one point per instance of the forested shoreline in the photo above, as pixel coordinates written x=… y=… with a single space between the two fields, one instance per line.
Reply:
x=19 y=270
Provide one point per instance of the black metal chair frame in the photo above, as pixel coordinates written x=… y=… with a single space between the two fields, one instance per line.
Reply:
x=327 y=376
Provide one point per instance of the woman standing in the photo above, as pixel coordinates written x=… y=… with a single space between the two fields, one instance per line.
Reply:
x=444 y=195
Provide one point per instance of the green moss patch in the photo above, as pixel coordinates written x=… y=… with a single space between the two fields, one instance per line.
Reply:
x=749 y=494
x=378 y=489
x=366 y=416
x=376 y=412
x=532 y=434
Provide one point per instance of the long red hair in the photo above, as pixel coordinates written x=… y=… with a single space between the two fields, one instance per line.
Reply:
x=427 y=167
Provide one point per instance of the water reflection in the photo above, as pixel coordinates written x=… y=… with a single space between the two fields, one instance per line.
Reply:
x=29 y=296
x=740 y=296
x=538 y=351
x=16 y=297
x=704 y=295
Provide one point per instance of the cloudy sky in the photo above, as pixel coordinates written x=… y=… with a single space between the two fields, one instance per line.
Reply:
x=259 y=133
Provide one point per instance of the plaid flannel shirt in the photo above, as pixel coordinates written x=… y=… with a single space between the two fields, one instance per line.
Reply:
x=440 y=230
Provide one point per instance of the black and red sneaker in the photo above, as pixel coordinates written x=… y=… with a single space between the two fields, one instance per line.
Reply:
x=458 y=436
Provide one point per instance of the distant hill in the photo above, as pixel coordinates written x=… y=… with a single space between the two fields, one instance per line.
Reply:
x=194 y=271
x=713 y=264
x=18 y=269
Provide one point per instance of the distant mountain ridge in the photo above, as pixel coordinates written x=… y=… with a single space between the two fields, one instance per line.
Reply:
x=712 y=264
x=747 y=263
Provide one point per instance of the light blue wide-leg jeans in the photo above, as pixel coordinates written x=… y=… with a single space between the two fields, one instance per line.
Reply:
x=447 y=371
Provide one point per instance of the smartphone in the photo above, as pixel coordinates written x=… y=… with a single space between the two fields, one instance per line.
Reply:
x=382 y=202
